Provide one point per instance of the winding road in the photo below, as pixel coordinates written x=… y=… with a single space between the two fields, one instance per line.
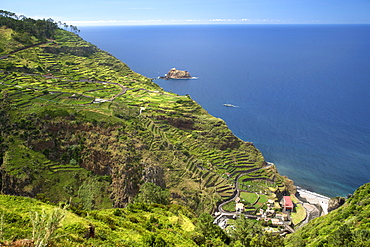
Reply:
x=237 y=190
x=237 y=194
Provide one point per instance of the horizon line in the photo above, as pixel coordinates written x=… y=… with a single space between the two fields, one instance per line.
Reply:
x=207 y=22
x=210 y=24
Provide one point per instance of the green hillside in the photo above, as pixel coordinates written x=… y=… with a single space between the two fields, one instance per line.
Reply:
x=142 y=224
x=348 y=225
x=73 y=115
x=138 y=225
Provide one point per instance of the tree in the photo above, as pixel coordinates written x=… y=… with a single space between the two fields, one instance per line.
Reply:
x=341 y=237
x=245 y=230
x=74 y=29
x=27 y=27
x=267 y=240
x=89 y=192
x=151 y=193
x=154 y=240
x=212 y=235
x=361 y=237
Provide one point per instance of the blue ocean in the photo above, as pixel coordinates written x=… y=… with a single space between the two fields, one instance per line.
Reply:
x=302 y=91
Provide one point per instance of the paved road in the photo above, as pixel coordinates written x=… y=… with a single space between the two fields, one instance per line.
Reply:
x=237 y=190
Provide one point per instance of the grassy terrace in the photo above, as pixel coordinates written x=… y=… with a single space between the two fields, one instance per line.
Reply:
x=252 y=202
x=299 y=213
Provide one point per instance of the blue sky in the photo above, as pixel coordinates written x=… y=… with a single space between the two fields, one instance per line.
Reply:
x=145 y=12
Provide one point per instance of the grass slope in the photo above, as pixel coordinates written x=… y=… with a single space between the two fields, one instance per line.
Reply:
x=137 y=225
x=348 y=225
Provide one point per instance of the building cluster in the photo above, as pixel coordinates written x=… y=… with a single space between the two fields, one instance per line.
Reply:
x=271 y=216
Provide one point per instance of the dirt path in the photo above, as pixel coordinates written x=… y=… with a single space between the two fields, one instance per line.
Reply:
x=25 y=48
x=123 y=88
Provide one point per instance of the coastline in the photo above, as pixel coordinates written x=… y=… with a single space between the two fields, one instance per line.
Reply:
x=258 y=124
x=312 y=201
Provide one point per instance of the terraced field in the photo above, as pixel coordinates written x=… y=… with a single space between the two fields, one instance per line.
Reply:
x=218 y=169
x=211 y=168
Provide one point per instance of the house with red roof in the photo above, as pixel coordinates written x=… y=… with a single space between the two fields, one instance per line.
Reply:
x=287 y=203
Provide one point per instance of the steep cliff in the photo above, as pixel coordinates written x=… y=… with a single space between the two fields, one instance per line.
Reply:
x=78 y=126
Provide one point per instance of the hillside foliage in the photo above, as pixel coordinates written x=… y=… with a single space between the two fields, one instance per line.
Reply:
x=348 y=225
x=26 y=31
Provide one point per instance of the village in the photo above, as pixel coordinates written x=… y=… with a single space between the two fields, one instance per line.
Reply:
x=277 y=215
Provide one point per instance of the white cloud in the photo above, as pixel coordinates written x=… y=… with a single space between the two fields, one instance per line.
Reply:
x=115 y=22
x=141 y=8
x=223 y=20
x=173 y=22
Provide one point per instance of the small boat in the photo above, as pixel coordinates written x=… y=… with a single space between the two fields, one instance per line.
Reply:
x=230 y=105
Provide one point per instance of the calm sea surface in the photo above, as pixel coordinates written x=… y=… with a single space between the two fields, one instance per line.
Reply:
x=303 y=91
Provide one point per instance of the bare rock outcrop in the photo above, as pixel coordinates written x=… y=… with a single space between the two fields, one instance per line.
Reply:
x=177 y=74
x=335 y=203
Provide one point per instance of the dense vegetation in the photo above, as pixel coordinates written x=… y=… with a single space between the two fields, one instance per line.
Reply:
x=27 y=31
x=139 y=224
x=135 y=165
x=136 y=225
x=348 y=225
x=152 y=224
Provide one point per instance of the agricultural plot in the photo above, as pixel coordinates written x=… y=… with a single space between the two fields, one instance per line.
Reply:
x=248 y=198
x=210 y=179
x=58 y=91
x=252 y=202
x=299 y=213
x=230 y=206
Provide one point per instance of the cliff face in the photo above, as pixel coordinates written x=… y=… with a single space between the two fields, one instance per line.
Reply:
x=177 y=74
x=335 y=203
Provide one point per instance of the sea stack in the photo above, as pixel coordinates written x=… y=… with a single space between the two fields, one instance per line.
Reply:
x=177 y=74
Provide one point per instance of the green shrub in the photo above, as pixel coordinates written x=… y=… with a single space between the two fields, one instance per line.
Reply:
x=44 y=225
